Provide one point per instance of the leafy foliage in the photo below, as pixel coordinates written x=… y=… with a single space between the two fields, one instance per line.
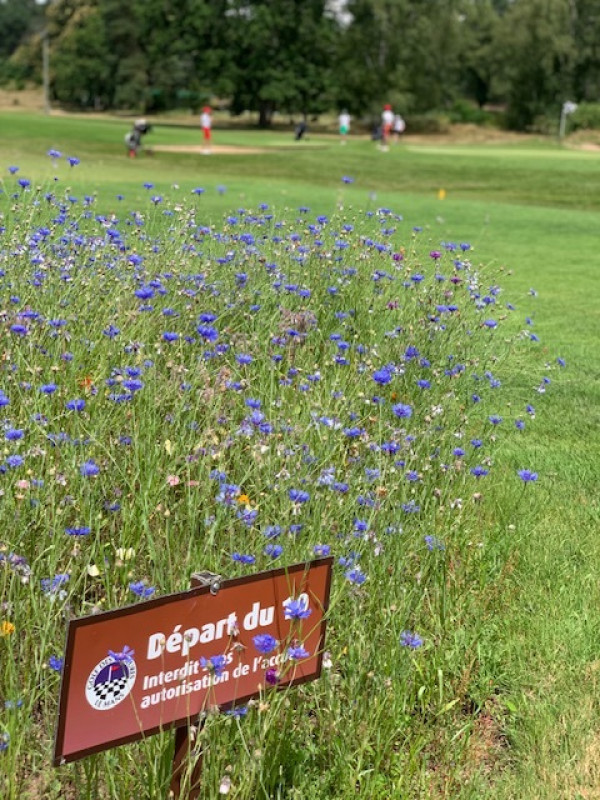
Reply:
x=308 y=56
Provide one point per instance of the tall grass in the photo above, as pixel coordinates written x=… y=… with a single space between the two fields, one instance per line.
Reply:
x=169 y=386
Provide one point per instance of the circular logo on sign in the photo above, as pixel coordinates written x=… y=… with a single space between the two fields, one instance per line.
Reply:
x=109 y=683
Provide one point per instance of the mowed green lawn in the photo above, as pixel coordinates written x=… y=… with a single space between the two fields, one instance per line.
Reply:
x=534 y=209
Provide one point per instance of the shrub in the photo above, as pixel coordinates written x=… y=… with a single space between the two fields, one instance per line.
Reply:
x=587 y=117
x=430 y=122
x=467 y=112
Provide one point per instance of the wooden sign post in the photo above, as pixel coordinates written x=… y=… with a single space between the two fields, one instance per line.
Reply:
x=165 y=663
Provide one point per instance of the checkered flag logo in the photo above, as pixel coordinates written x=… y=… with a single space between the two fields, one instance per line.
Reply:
x=109 y=683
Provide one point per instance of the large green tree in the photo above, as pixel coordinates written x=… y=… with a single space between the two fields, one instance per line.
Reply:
x=480 y=67
x=585 y=25
x=371 y=54
x=539 y=58
x=17 y=18
x=281 y=53
x=81 y=72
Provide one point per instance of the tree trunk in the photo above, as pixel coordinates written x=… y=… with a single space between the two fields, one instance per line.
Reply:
x=265 y=115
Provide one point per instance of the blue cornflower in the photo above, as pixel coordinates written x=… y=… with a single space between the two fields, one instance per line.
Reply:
x=14 y=434
x=273 y=550
x=111 y=331
x=19 y=330
x=527 y=475
x=80 y=531
x=402 y=411
x=356 y=576
x=298 y=496
x=89 y=468
x=14 y=461
x=433 y=543
x=490 y=323
x=272 y=531
x=296 y=608
x=55 y=663
x=48 y=388
x=208 y=332
x=322 y=549
x=243 y=559
x=73 y=161
x=52 y=585
x=140 y=589
x=126 y=654
x=169 y=336
x=75 y=405
x=495 y=419
x=238 y=712
x=215 y=664
x=411 y=507
x=54 y=153
x=248 y=516
x=297 y=652
x=479 y=471
x=410 y=640
x=382 y=376
x=133 y=385
x=265 y=643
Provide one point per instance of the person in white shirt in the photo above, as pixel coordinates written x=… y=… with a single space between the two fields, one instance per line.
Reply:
x=399 y=127
x=387 y=122
x=344 y=125
x=206 y=125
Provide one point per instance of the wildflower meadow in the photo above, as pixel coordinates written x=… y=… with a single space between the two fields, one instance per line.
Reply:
x=232 y=392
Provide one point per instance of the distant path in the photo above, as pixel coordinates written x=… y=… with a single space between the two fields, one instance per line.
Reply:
x=225 y=149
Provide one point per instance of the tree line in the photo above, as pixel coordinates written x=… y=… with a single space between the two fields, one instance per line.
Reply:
x=310 y=56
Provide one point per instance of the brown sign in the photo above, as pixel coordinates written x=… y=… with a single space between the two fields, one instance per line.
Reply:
x=155 y=665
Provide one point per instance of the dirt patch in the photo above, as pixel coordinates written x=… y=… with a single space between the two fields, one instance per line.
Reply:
x=588 y=147
x=216 y=149
x=469 y=134
x=25 y=99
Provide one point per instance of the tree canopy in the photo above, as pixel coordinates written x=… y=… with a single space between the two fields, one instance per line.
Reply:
x=308 y=56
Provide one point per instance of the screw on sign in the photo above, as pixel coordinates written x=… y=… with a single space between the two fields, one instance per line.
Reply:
x=216 y=645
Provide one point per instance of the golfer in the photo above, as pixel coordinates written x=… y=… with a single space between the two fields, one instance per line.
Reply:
x=344 y=125
x=399 y=127
x=206 y=125
x=387 y=122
